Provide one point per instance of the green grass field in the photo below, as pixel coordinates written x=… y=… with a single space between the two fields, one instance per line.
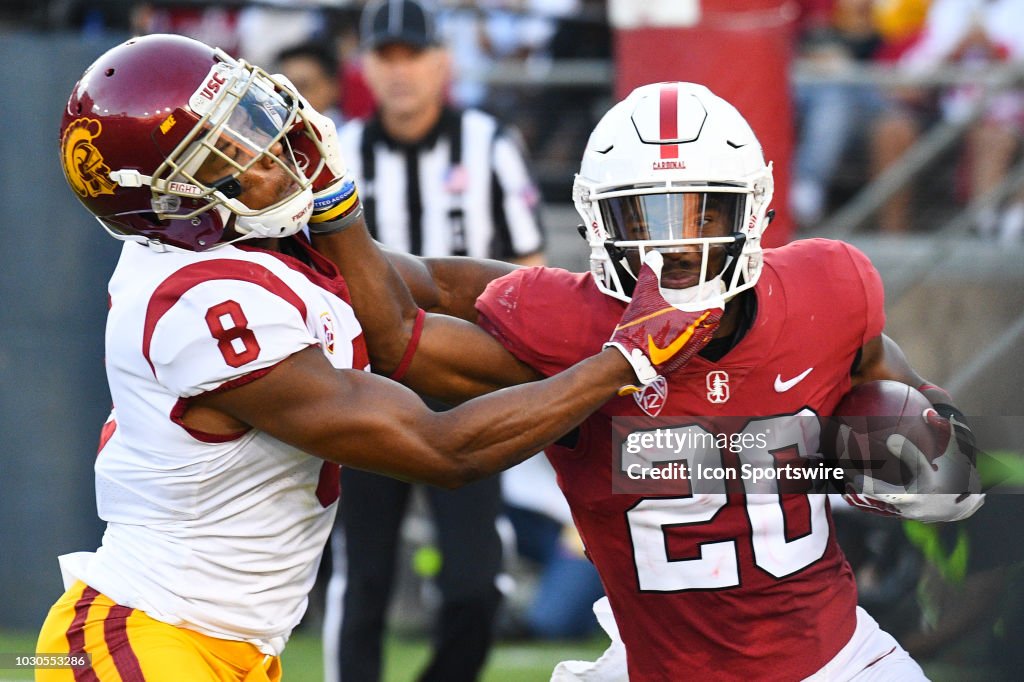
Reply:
x=519 y=662
x=509 y=662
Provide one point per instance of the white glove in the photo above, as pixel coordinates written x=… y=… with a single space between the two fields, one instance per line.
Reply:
x=610 y=667
x=944 y=488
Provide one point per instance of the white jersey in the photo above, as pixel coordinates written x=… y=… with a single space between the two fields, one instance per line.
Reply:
x=218 y=534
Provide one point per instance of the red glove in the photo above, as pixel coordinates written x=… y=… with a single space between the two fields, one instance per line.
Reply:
x=314 y=141
x=656 y=337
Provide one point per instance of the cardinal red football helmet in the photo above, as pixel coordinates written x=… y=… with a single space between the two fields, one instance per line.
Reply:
x=148 y=114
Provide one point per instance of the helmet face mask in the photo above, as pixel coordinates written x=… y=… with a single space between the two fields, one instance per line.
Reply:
x=171 y=126
x=675 y=168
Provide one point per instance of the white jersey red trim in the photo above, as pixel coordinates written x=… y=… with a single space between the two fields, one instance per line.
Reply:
x=218 y=534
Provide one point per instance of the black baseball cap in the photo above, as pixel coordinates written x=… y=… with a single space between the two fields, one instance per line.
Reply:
x=406 y=22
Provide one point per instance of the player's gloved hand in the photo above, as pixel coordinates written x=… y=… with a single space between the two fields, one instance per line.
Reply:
x=336 y=203
x=944 y=485
x=654 y=336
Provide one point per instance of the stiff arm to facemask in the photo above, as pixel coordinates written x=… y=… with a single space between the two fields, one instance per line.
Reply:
x=656 y=337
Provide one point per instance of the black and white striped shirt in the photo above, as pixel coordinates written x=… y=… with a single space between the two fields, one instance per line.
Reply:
x=464 y=189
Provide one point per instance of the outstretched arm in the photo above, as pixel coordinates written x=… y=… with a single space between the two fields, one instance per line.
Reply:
x=361 y=420
x=357 y=419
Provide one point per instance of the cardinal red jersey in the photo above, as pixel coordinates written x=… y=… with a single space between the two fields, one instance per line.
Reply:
x=739 y=581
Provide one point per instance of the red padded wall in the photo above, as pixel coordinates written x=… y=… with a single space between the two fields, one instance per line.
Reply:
x=741 y=50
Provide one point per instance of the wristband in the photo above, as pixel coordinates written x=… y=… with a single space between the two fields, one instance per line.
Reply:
x=343 y=223
x=335 y=208
x=932 y=387
x=410 y=349
x=945 y=408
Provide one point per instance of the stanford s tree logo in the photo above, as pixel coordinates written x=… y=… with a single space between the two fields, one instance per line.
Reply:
x=717 y=383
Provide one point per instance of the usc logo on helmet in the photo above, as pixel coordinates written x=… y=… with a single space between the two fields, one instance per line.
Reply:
x=83 y=164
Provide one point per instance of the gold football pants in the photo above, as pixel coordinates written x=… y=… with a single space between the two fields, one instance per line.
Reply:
x=128 y=646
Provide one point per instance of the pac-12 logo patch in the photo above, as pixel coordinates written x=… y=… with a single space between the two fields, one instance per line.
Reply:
x=327 y=326
x=717 y=383
x=86 y=171
x=653 y=397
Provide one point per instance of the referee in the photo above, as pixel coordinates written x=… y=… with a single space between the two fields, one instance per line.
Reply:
x=434 y=181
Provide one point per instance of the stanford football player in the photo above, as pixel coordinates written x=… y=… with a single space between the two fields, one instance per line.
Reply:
x=734 y=580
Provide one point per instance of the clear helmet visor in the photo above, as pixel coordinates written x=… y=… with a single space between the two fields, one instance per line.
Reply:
x=240 y=126
x=244 y=117
x=694 y=230
x=673 y=216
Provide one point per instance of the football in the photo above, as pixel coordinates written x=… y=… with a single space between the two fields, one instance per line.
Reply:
x=854 y=438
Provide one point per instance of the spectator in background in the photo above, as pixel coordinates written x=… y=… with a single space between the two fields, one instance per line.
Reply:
x=266 y=28
x=255 y=33
x=356 y=98
x=467 y=191
x=895 y=129
x=561 y=605
x=973 y=34
x=312 y=67
x=831 y=114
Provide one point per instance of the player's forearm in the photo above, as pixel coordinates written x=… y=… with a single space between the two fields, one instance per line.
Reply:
x=448 y=285
x=460 y=281
x=383 y=305
x=501 y=429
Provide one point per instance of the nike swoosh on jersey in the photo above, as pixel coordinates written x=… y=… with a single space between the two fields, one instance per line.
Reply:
x=661 y=355
x=783 y=386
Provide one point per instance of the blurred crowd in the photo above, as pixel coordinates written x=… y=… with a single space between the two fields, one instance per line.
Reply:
x=850 y=130
x=870 y=127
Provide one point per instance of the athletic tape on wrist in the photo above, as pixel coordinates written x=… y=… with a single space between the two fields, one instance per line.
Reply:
x=342 y=223
x=410 y=349
x=335 y=202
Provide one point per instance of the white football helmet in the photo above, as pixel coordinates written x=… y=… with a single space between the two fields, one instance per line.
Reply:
x=657 y=166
